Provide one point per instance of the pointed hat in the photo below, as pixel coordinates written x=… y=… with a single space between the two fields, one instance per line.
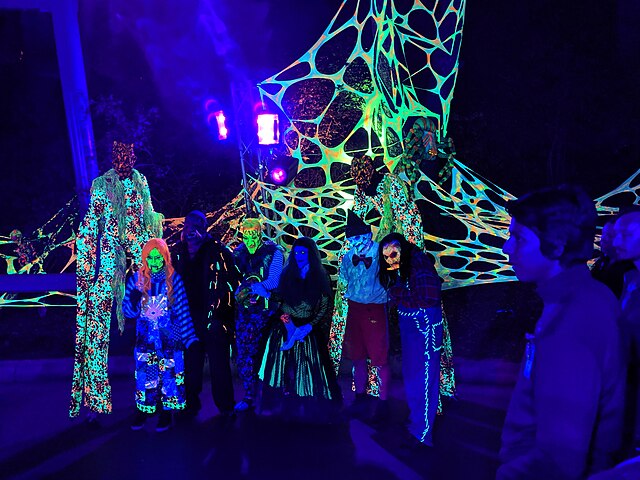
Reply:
x=355 y=226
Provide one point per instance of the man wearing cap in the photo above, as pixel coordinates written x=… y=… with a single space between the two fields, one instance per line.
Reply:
x=210 y=278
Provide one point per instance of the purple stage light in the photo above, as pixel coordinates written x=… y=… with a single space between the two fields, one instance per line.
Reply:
x=216 y=119
x=223 y=132
x=279 y=175
x=268 y=131
x=282 y=169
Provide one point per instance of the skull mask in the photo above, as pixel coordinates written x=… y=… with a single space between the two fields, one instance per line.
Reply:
x=391 y=253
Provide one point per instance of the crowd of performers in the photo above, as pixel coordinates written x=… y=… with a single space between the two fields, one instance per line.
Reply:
x=275 y=310
x=290 y=328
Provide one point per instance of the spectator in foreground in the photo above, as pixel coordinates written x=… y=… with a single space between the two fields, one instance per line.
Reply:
x=565 y=416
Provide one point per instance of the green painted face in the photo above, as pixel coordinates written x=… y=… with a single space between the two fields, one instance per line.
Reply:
x=155 y=261
x=252 y=238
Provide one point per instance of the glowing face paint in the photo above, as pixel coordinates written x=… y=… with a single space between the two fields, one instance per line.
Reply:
x=155 y=261
x=301 y=255
x=252 y=238
x=391 y=253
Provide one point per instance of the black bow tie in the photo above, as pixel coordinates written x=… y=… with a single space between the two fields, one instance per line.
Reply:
x=356 y=259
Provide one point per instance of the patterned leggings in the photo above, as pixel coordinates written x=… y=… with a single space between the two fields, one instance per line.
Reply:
x=93 y=320
x=250 y=332
x=159 y=379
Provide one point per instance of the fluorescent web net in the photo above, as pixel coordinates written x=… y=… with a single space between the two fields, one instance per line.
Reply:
x=628 y=193
x=50 y=249
x=377 y=68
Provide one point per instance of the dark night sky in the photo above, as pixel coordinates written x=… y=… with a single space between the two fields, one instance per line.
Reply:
x=547 y=93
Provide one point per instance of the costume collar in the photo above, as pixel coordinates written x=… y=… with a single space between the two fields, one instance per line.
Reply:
x=158 y=277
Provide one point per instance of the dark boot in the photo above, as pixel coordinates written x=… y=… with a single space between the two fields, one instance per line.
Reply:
x=139 y=420
x=244 y=405
x=382 y=412
x=164 y=421
x=360 y=406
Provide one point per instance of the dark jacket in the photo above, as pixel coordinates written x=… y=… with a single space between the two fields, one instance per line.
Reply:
x=611 y=273
x=210 y=279
x=565 y=416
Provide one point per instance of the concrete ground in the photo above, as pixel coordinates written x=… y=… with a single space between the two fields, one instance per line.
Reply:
x=38 y=440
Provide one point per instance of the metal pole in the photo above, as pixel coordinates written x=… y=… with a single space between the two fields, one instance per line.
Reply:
x=66 y=30
x=76 y=96
x=244 y=173
x=239 y=96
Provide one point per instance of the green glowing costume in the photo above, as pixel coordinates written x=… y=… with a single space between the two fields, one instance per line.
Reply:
x=119 y=221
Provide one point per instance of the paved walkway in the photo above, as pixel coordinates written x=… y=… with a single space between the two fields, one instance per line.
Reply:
x=37 y=440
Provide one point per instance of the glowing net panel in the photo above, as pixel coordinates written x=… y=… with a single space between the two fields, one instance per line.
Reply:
x=377 y=68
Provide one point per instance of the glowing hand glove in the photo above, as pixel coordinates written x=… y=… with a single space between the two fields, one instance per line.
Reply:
x=258 y=289
x=303 y=331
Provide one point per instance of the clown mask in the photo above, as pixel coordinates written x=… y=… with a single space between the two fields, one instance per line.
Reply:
x=391 y=254
x=252 y=238
x=16 y=236
x=123 y=159
x=361 y=243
